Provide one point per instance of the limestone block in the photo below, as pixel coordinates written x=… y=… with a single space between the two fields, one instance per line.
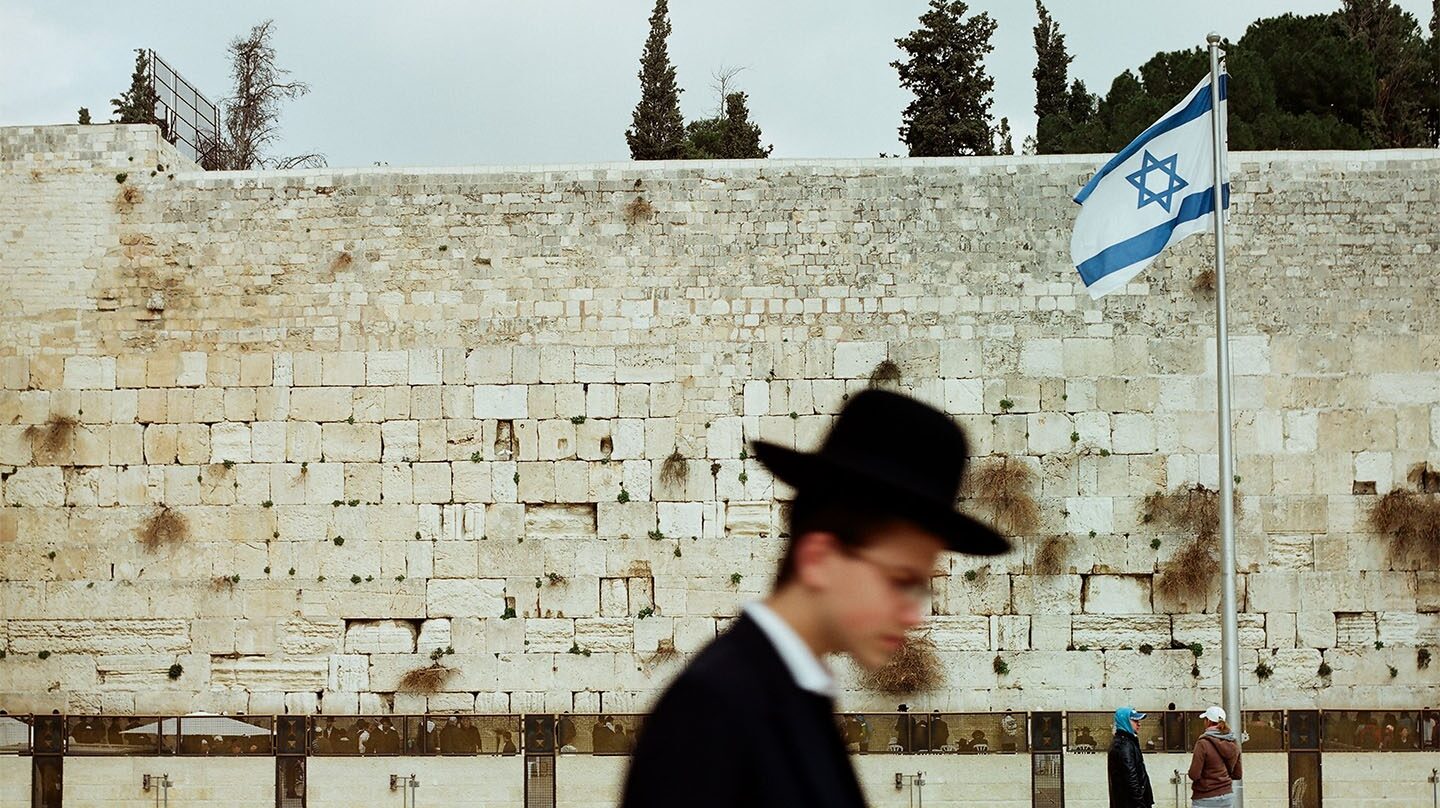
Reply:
x=36 y=486
x=191 y=369
x=959 y=632
x=305 y=636
x=1088 y=357
x=987 y=593
x=504 y=402
x=1315 y=629
x=384 y=368
x=1355 y=630
x=1010 y=632
x=1405 y=388
x=425 y=366
x=351 y=442
x=1205 y=629
x=321 y=404
x=271 y=674
x=230 y=442
x=1090 y=513
x=1280 y=630
x=117 y=636
x=629 y=438
x=1121 y=631
x=483 y=597
x=964 y=396
x=856 y=360
x=756 y=398
x=1398 y=628
x=549 y=636
x=89 y=373
x=431 y=482
x=680 y=519
x=434 y=634
x=348 y=673
x=267 y=441
x=380 y=637
x=599 y=634
x=1046 y=594
x=1050 y=632
x=1050 y=432
x=601 y=401
x=1115 y=594
x=1042 y=357
x=256 y=370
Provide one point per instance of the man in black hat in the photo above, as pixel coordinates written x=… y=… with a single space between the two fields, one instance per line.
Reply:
x=749 y=722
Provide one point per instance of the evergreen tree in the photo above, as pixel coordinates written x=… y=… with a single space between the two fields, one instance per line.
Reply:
x=732 y=136
x=1052 y=65
x=658 y=130
x=742 y=135
x=1002 y=136
x=1357 y=78
x=85 y=116
x=1392 y=38
x=1432 y=81
x=945 y=70
x=137 y=104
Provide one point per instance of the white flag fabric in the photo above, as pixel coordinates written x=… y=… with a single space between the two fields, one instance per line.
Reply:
x=1154 y=193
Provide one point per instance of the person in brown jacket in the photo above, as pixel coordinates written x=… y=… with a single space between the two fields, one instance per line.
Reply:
x=1215 y=765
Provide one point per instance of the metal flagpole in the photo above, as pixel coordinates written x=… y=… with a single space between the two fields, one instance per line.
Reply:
x=1229 y=628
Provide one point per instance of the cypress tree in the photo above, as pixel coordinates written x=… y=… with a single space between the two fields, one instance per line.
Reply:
x=658 y=130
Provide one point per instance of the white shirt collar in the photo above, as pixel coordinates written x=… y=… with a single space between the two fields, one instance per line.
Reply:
x=809 y=672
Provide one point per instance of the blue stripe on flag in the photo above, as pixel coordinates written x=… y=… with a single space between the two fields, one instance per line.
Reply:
x=1199 y=105
x=1149 y=243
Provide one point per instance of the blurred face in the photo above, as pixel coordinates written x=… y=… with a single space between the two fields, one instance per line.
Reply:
x=868 y=597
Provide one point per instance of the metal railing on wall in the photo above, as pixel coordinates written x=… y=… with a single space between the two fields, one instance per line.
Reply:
x=188 y=119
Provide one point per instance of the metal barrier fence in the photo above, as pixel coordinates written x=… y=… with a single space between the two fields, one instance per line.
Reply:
x=899 y=733
x=1048 y=738
x=189 y=119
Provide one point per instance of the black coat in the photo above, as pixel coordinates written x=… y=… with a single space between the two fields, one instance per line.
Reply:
x=1129 y=782
x=735 y=730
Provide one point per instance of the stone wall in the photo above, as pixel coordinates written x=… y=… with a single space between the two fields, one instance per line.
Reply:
x=494 y=782
x=295 y=431
x=101 y=782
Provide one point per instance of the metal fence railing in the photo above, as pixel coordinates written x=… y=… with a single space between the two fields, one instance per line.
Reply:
x=896 y=733
x=189 y=119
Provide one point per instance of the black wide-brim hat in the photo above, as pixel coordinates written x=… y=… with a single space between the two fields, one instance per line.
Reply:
x=897 y=456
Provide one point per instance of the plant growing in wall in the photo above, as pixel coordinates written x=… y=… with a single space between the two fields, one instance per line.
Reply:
x=165 y=526
x=176 y=671
x=915 y=668
x=664 y=652
x=1052 y=554
x=426 y=679
x=674 y=471
x=885 y=373
x=1410 y=519
x=1195 y=511
x=1003 y=486
x=638 y=210
x=1422 y=658
x=1000 y=666
x=1263 y=670
x=54 y=438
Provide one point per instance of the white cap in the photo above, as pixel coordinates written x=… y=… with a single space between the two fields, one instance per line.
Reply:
x=1213 y=714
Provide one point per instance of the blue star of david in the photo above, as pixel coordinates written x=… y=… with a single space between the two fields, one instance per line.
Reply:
x=1166 y=167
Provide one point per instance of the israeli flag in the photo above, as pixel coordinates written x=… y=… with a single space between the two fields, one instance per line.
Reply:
x=1154 y=193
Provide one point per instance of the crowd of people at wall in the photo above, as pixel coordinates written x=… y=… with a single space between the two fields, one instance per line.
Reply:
x=914 y=733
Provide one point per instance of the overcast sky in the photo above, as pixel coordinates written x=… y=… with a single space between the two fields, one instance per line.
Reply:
x=446 y=82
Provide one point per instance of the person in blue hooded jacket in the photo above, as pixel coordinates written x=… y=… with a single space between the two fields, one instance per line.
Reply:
x=1129 y=782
